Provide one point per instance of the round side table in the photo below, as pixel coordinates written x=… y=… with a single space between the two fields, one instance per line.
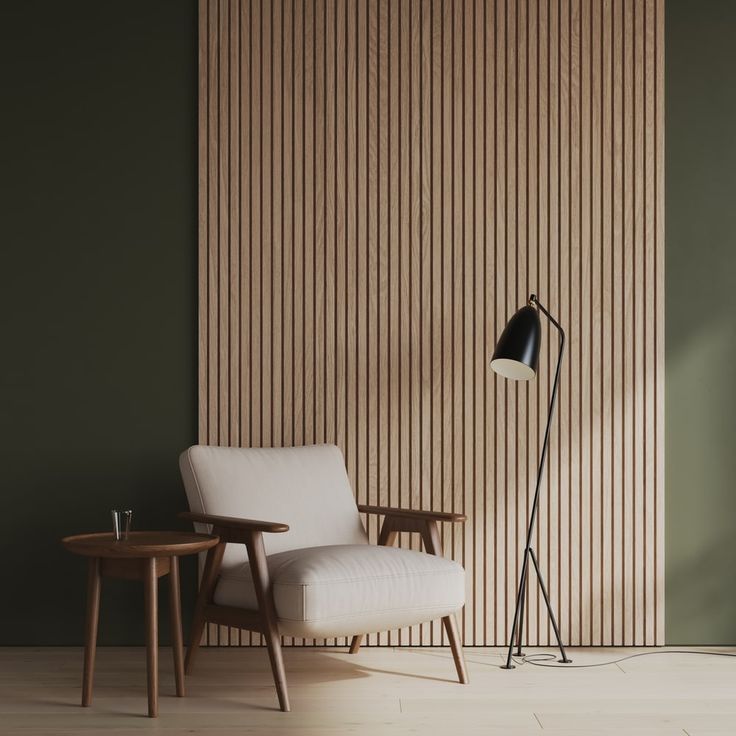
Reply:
x=144 y=556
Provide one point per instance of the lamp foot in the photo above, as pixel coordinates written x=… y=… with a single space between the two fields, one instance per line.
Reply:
x=508 y=666
x=565 y=661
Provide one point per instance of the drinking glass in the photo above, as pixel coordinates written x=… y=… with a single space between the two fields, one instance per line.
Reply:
x=121 y=524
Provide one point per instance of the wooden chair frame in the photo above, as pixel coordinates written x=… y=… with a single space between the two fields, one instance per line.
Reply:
x=264 y=620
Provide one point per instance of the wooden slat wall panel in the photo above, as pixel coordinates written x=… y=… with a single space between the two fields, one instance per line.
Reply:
x=382 y=184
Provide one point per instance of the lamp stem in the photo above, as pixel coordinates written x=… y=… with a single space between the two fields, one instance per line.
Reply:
x=520 y=598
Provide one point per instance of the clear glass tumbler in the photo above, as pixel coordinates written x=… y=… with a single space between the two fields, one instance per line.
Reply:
x=121 y=523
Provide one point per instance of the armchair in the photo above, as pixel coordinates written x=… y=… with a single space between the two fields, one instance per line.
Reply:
x=309 y=570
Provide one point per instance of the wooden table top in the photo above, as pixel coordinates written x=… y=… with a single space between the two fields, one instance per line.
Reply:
x=140 y=544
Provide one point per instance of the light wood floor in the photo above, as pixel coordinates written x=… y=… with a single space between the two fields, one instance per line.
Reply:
x=378 y=691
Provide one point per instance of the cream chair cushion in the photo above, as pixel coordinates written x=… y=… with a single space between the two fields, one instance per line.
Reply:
x=341 y=590
x=304 y=487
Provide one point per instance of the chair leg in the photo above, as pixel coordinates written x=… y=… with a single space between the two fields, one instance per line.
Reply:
x=433 y=546
x=457 y=651
x=262 y=584
x=355 y=643
x=387 y=536
x=273 y=642
x=206 y=590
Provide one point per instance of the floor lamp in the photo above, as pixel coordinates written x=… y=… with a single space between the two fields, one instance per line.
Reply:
x=515 y=357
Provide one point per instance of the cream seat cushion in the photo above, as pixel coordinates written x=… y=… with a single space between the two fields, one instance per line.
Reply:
x=341 y=590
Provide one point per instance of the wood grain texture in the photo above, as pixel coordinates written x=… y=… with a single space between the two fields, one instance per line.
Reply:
x=399 y=691
x=381 y=186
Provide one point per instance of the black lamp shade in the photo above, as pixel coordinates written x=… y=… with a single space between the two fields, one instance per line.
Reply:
x=517 y=350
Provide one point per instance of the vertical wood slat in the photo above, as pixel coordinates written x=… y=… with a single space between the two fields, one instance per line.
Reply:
x=381 y=185
x=419 y=222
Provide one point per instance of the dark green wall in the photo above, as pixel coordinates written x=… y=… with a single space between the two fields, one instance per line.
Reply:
x=701 y=315
x=98 y=366
x=98 y=231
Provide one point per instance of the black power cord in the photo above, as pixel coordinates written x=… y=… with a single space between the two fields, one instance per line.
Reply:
x=541 y=660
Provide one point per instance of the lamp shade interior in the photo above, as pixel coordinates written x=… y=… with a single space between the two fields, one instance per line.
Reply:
x=512 y=369
x=517 y=351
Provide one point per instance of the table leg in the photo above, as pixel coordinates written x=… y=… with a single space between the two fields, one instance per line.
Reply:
x=150 y=585
x=176 y=638
x=90 y=643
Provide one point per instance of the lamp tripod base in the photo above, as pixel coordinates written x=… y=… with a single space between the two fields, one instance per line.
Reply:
x=516 y=633
x=513 y=666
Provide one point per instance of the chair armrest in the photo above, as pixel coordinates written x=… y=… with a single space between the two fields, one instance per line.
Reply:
x=413 y=513
x=231 y=522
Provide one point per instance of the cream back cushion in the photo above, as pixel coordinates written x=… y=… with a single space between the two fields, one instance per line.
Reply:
x=304 y=487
